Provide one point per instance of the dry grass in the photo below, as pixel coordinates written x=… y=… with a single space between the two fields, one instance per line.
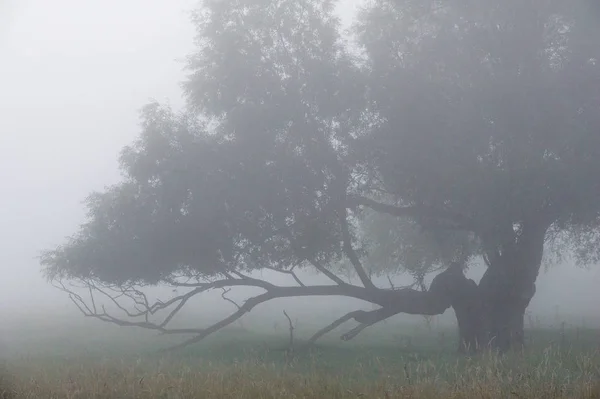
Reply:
x=551 y=374
x=102 y=363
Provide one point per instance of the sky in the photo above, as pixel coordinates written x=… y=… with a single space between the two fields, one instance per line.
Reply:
x=73 y=75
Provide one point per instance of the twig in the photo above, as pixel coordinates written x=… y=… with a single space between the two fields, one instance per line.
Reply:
x=223 y=295
x=291 y=326
x=290 y=272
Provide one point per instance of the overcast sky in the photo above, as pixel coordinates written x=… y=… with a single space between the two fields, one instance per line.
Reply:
x=73 y=75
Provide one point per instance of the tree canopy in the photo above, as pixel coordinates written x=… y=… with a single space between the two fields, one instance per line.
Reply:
x=476 y=125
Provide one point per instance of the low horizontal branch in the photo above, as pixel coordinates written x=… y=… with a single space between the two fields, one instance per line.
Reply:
x=406 y=300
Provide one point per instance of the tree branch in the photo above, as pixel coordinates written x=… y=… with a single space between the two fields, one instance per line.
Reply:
x=303 y=256
x=291 y=327
x=326 y=272
x=203 y=333
x=406 y=300
x=290 y=272
x=370 y=318
x=365 y=318
x=446 y=218
x=334 y=325
x=225 y=298
x=350 y=253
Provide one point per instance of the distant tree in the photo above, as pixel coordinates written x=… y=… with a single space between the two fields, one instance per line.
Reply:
x=476 y=125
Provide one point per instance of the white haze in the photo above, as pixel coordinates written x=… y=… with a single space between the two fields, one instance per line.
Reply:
x=73 y=75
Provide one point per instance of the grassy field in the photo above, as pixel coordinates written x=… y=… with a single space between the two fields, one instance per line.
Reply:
x=92 y=360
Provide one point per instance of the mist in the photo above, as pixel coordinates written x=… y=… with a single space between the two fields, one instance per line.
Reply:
x=73 y=76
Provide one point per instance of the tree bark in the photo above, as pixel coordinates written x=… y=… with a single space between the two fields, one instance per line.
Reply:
x=505 y=295
x=491 y=314
x=507 y=325
x=468 y=310
x=463 y=295
x=488 y=321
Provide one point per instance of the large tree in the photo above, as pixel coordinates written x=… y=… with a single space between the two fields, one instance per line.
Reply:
x=478 y=125
x=488 y=122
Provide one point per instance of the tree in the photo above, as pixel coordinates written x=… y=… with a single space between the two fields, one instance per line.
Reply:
x=488 y=123
x=400 y=245
x=290 y=145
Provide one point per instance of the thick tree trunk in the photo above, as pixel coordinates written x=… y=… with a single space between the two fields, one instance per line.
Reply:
x=491 y=315
x=488 y=322
x=464 y=297
x=469 y=315
x=506 y=328
x=504 y=292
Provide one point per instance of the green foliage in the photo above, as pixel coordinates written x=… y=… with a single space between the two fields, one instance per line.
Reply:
x=482 y=119
x=402 y=245
x=488 y=112
x=274 y=84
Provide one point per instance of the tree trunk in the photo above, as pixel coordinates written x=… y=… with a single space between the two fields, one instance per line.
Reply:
x=468 y=310
x=463 y=295
x=506 y=329
x=491 y=315
x=506 y=289
x=492 y=322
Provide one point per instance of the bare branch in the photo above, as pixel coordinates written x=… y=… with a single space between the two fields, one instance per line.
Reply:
x=334 y=325
x=74 y=297
x=112 y=299
x=392 y=302
x=302 y=255
x=280 y=292
x=272 y=292
x=104 y=316
x=355 y=331
x=350 y=253
x=326 y=272
x=391 y=283
x=291 y=344
x=179 y=306
x=289 y=272
x=182 y=299
x=245 y=308
x=223 y=295
x=92 y=298
x=367 y=319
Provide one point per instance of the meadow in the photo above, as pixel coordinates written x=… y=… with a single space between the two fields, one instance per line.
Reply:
x=72 y=358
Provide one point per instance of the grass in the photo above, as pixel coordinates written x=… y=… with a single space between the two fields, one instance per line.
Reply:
x=393 y=361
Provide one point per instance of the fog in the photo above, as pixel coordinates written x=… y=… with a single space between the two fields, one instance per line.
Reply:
x=73 y=75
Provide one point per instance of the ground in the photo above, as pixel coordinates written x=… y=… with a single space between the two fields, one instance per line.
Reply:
x=72 y=359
